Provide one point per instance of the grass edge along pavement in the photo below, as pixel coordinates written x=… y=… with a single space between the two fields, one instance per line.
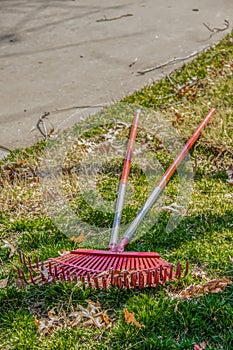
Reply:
x=204 y=236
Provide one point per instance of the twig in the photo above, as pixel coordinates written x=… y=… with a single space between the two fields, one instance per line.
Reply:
x=79 y=107
x=41 y=122
x=172 y=61
x=132 y=63
x=105 y=19
x=3 y=148
x=216 y=29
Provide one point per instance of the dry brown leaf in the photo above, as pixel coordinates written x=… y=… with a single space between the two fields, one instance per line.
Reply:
x=3 y=283
x=106 y=318
x=20 y=283
x=213 y=286
x=85 y=317
x=78 y=239
x=53 y=315
x=130 y=318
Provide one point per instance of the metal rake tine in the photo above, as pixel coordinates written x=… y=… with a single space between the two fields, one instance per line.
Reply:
x=141 y=280
x=157 y=277
x=104 y=283
x=21 y=274
x=96 y=282
x=161 y=272
x=31 y=278
x=165 y=275
x=186 y=268
x=178 y=270
x=171 y=271
x=126 y=280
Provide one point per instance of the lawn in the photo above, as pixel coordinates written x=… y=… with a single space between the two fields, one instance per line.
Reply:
x=166 y=317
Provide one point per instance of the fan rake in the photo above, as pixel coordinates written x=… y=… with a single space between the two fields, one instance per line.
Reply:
x=116 y=267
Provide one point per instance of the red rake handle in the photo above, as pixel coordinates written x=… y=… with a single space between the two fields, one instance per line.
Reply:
x=162 y=183
x=123 y=183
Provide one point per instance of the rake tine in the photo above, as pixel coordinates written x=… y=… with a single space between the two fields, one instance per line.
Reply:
x=126 y=280
x=53 y=278
x=21 y=274
x=156 y=275
x=141 y=280
x=82 y=279
x=68 y=276
x=104 y=282
x=133 y=279
x=96 y=282
x=61 y=277
x=29 y=263
x=161 y=272
x=171 y=272
x=112 y=278
x=178 y=270
x=165 y=275
x=63 y=273
x=149 y=278
x=186 y=268
x=31 y=278
x=89 y=280
x=119 y=281
x=55 y=272
x=50 y=268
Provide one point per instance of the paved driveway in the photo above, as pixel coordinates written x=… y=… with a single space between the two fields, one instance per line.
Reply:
x=57 y=55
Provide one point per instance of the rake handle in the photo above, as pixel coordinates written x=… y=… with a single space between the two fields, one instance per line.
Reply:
x=123 y=183
x=162 y=183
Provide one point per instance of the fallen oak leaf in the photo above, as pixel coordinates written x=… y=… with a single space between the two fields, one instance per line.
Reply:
x=20 y=283
x=213 y=286
x=4 y=282
x=216 y=285
x=130 y=318
x=106 y=318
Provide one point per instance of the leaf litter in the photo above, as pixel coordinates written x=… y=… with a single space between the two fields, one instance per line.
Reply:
x=130 y=318
x=212 y=286
x=92 y=315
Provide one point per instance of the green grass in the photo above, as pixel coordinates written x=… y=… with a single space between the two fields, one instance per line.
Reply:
x=204 y=236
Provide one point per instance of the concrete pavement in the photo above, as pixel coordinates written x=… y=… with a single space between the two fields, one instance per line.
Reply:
x=55 y=55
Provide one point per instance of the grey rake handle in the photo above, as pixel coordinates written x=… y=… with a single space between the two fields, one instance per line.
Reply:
x=123 y=183
x=162 y=183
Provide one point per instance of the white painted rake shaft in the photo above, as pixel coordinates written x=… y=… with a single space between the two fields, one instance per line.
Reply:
x=123 y=183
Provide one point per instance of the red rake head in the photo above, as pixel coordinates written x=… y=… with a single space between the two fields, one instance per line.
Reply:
x=101 y=269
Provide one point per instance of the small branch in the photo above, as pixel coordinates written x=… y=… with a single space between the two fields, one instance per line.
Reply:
x=172 y=61
x=132 y=63
x=80 y=107
x=105 y=19
x=216 y=29
x=40 y=122
x=3 y=148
